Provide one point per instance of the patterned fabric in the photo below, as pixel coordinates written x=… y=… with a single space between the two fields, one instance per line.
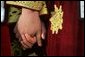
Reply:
x=13 y=14
x=18 y=51
x=34 y=5
x=56 y=20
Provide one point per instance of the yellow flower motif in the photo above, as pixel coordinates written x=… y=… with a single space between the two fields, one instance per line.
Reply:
x=56 y=19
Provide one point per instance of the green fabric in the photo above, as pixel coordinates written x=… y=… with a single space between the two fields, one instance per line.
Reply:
x=36 y=5
x=16 y=49
x=13 y=14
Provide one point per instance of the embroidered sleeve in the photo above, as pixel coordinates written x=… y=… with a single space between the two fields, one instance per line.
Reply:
x=44 y=9
x=35 y=5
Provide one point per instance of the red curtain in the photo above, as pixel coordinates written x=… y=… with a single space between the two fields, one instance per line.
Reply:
x=80 y=44
x=5 y=41
x=66 y=42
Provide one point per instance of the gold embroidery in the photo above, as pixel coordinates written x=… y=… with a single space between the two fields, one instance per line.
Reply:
x=36 y=5
x=56 y=19
x=44 y=9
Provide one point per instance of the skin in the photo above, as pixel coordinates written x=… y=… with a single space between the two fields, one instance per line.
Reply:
x=29 y=29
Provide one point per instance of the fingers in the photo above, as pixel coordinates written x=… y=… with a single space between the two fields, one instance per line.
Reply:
x=39 y=39
x=43 y=31
x=30 y=39
x=24 y=45
x=25 y=41
x=43 y=36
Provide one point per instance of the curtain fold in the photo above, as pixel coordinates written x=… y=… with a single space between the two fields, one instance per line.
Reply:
x=66 y=42
x=5 y=41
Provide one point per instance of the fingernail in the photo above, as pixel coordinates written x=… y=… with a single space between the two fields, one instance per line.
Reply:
x=43 y=37
x=26 y=35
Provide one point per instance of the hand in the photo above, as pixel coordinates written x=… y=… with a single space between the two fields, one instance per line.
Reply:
x=28 y=41
x=29 y=24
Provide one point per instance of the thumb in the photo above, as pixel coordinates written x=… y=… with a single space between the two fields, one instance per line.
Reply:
x=39 y=42
x=43 y=31
x=43 y=36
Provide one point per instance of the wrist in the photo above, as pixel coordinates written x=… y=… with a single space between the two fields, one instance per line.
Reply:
x=29 y=11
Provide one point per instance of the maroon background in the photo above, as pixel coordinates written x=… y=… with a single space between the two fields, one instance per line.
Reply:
x=5 y=40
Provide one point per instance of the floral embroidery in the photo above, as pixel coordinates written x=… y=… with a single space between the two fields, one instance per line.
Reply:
x=56 y=20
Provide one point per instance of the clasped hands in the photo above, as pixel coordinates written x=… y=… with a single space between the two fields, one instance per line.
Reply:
x=29 y=29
